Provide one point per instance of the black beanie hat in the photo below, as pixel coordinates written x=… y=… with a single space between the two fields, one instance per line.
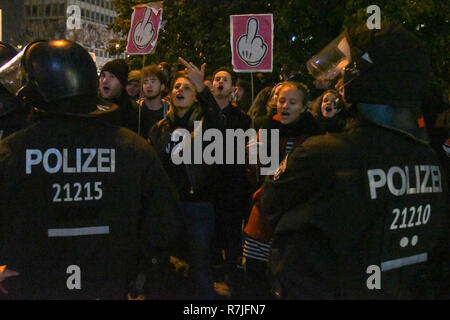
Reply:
x=119 y=68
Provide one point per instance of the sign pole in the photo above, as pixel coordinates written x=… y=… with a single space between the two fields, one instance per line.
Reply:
x=144 y=29
x=253 y=89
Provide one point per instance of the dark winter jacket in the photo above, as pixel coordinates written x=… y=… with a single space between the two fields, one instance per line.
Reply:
x=233 y=193
x=193 y=181
x=126 y=114
x=294 y=134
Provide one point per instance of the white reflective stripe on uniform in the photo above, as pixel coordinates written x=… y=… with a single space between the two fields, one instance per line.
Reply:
x=73 y=232
x=402 y=262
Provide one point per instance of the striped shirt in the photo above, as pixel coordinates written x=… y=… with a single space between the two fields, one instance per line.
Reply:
x=289 y=145
x=256 y=249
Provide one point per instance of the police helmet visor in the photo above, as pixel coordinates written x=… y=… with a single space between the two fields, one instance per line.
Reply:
x=12 y=74
x=7 y=52
x=331 y=61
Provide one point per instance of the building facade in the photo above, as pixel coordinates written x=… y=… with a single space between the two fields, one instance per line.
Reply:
x=12 y=21
x=83 y=21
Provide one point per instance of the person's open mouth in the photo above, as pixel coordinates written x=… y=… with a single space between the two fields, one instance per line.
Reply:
x=285 y=114
x=106 y=89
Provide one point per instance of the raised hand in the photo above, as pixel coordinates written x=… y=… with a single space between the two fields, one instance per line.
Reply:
x=251 y=47
x=143 y=31
x=195 y=74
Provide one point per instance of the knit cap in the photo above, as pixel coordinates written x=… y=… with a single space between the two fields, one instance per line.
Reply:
x=119 y=68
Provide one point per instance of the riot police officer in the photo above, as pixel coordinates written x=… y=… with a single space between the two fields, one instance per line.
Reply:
x=13 y=113
x=83 y=203
x=361 y=214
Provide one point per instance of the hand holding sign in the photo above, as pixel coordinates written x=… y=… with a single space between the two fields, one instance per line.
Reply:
x=144 y=31
x=251 y=47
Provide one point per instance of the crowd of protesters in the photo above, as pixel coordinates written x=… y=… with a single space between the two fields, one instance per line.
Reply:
x=217 y=202
x=224 y=235
x=227 y=237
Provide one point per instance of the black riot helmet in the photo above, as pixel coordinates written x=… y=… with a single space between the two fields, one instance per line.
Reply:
x=384 y=72
x=49 y=74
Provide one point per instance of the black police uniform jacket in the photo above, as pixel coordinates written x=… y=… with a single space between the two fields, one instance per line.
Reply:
x=82 y=203
x=357 y=214
x=12 y=122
